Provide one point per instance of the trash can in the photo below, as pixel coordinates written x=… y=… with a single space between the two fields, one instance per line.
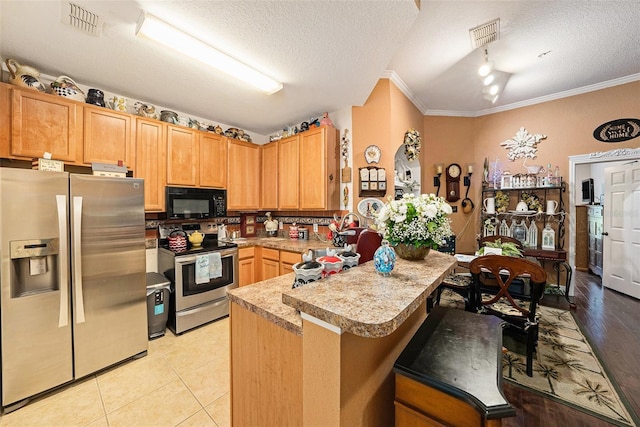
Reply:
x=157 y=304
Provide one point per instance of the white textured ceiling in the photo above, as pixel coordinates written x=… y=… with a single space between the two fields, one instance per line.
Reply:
x=330 y=54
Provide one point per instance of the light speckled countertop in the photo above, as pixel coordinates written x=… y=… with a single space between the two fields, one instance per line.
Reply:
x=358 y=301
x=282 y=243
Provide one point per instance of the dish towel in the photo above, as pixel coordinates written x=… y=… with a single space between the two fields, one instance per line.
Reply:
x=202 y=269
x=215 y=265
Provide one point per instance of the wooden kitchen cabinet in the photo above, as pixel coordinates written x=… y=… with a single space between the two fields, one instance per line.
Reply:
x=269 y=176
x=107 y=137
x=42 y=123
x=288 y=260
x=319 y=162
x=182 y=156
x=243 y=175
x=213 y=160
x=582 y=239
x=289 y=173
x=5 y=121
x=151 y=161
x=269 y=263
x=246 y=266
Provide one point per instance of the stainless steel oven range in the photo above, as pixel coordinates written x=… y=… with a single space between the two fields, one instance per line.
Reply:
x=192 y=303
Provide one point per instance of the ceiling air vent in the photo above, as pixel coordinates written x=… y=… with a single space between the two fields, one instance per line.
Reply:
x=81 y=19
x=485 y=33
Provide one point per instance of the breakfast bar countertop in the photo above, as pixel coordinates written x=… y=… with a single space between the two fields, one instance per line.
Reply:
x=358 y=300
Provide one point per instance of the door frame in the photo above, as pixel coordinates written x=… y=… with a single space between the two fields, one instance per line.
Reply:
x=620 y=154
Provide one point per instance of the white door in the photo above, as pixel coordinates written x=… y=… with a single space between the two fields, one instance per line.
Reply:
x=621 y=230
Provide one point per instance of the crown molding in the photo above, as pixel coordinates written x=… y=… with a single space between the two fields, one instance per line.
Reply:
x=560 y=95
x=391 y=75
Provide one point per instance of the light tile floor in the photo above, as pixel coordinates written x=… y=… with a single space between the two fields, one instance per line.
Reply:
x=183 y=381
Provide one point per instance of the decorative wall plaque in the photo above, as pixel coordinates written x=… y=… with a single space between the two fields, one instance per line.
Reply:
x=618 y=130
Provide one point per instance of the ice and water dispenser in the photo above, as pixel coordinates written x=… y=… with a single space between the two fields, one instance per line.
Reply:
x=34 y=267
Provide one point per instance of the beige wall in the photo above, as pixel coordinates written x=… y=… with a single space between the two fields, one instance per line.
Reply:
x=568 y=123
x=382 y=120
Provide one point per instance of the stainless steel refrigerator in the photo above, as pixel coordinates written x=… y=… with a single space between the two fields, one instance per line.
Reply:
x=73 y=297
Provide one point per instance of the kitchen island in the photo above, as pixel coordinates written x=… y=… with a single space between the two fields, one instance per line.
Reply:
x=323 y=354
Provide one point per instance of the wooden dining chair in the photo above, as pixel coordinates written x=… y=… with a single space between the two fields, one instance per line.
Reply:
x=499 y=272
x=460 y=282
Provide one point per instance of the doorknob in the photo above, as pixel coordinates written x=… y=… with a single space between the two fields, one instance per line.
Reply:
x=604 y=233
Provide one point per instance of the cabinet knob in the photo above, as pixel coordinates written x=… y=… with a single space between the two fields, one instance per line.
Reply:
x=604 y=233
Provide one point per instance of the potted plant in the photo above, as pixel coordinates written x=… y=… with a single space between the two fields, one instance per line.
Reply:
x=508 y=248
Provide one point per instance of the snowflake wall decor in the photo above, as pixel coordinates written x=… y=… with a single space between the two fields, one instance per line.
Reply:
x=522 y=145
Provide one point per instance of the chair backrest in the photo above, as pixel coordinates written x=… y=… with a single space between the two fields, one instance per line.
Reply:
x=368 y=241
x=503 y=270
x=504 y=239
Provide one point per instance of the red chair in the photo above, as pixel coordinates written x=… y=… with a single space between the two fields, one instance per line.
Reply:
x=368 y=241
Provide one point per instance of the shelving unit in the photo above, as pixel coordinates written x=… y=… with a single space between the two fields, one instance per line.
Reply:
x=508 y=213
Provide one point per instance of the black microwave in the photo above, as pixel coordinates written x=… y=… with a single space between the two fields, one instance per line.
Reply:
x=195 y=203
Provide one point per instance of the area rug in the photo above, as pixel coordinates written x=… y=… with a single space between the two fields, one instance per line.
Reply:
x=565 y=367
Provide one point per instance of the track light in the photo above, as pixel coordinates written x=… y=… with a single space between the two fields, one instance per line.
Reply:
x=486 y=68
x=159 y=31
x=489 y=79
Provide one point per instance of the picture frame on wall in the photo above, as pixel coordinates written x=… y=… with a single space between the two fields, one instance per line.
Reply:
x=248 y=224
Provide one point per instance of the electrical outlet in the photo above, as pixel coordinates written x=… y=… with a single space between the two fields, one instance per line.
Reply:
x=280 y=225
x=315 y=228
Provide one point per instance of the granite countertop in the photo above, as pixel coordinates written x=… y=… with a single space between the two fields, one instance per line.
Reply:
x=283 y=243
x=358 y=301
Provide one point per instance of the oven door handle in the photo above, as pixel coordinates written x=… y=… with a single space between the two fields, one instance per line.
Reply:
x=191 y=259
x=185 y=260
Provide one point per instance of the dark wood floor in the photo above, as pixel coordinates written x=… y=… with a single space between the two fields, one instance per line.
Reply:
x=611 y=322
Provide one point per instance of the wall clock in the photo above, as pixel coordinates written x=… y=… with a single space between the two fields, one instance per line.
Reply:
x=453 y=182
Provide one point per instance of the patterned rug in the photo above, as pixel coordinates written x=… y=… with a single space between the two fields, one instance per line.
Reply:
x=565 y=367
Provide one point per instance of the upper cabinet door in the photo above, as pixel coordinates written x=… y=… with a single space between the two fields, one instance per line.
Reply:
x=269 y=176
x=319 y=187
x=213 y=160
x=107 y=137
x=44 y=123
x=243 y=175
x=151 y=161
x=182 y=156
x=289 y=173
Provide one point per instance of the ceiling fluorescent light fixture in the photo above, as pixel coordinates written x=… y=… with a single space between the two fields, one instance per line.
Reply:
x=151 y=27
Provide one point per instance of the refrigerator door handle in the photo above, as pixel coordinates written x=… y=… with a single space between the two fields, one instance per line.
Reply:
x=63 y=319
x=77 y=258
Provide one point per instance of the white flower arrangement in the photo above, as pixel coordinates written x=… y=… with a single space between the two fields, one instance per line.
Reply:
x=412 y=144
x=416 y=220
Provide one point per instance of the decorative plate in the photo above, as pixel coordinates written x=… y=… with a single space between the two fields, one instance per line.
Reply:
x=372 y=154
x=368 y=207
